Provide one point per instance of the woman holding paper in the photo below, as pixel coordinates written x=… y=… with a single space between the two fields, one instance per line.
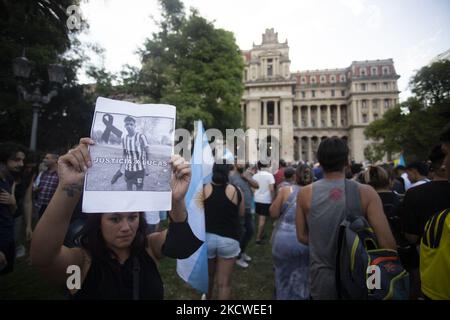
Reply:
x=116 y=259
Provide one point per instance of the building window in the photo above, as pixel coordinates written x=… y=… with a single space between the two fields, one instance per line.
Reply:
x=279 y=112
x=362 y=72
x=374 y=71
x=295 y=116
x=375 y=116
x=313 y=93
x=322 y=79
x=303 y=94
x=313 y=123
x=333 y=79
x=374 y=87
x=303 y=80
x=363 y=87
x=342 y=78
x=312 y=80
x=262 y=113
x=332 y=93
x=270 y=113
x=364 y=104
x=269 y=68
x=342 y=93
x=245 y=74
x=386 y=103
x=385 y=86
x=385 y=70
x=364 y=118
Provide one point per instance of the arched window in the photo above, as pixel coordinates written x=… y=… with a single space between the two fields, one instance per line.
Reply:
x=374 y=71
x=322 y=79
x=385 y=70
x=342 y=78
x=333 y=79
x=312 y=79
x=362 y=72
x=303 y=80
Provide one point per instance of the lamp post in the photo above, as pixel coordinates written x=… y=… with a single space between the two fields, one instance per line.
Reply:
x=22 y=68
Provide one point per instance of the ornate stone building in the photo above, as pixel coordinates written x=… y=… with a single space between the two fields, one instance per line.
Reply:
x=307 y=106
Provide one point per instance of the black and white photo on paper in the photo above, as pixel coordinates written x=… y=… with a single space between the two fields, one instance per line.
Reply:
x=131 y=153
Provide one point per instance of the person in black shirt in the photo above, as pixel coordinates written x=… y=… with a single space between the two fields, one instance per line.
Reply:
x=224 y=203
x=11 y=160
x=379 y=179
x=116 y=259
x=419 y=204
x=422 y=201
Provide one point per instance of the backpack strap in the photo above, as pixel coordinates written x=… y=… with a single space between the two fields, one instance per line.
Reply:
x=352 y=208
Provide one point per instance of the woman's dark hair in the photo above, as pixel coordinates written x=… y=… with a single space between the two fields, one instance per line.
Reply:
x=92 y=238
x=304 y=175
x=289 y=173
x=220 y=173
x=332 y=154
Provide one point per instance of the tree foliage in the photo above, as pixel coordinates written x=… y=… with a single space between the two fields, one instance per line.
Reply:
x=40 y=28
x=413 y=126
x=193 y=65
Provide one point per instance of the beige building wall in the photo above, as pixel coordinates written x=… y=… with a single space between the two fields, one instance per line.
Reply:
x=307 y=106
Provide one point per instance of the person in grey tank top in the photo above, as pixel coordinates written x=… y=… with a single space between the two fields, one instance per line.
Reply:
x=321 y=209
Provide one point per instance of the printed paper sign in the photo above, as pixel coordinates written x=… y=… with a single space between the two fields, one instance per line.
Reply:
x=130 y=159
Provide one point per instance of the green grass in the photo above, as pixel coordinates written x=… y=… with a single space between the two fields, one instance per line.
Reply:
x=256 y=282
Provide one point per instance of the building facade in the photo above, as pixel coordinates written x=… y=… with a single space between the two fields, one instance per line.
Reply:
x=302 y=108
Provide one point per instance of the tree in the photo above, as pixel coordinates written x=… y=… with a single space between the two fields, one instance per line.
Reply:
x=192 y=65
x=416 y=131
x=373 y=152
x=40 y=28
x=431 y=84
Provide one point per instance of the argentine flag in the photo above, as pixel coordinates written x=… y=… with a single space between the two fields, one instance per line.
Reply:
x=194 y=270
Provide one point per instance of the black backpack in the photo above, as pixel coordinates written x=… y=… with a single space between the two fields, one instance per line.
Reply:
x=358 y=250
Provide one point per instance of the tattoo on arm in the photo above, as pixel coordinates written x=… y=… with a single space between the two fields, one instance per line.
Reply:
x=72 y=188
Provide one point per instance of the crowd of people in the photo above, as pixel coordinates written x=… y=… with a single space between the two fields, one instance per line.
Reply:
x=406 y=206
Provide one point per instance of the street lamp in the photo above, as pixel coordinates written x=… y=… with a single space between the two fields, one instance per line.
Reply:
x=22 y=68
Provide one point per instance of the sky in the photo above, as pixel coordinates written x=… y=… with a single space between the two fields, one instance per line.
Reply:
x=321 y=33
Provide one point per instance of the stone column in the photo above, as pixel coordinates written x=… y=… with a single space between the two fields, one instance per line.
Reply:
x=299 y=117
x=308 y=121
x=265 y=114
x=328 y=116
x=338 y=117
x=275 y=67
x=318 y=117
x=275 y=111
x=355 y=112
x=253 y=122
x=287 y=130
x=309 y=150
